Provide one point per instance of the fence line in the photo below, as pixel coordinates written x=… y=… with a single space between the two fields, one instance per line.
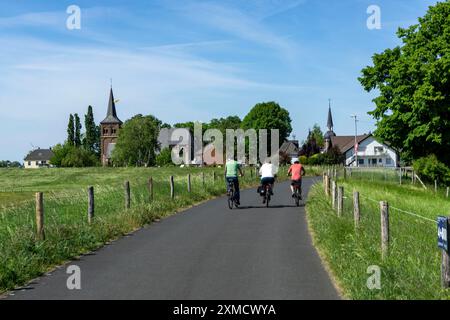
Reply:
x=385 y=232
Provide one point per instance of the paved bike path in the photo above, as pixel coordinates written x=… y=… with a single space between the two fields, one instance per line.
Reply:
x=206 y=252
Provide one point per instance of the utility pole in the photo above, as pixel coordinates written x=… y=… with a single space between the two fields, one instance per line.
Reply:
x=356 y=139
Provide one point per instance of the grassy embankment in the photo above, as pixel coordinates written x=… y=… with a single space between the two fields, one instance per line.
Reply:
x=68 y=233
x=412 y=269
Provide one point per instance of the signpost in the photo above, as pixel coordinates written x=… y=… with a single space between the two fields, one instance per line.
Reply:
x=443 y=227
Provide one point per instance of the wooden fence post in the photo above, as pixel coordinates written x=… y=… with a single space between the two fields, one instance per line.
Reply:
x=150 y=188
x=189 y=183
x=127 y=195
x=340 y=201
x=401 y=176
x=327 y=185
x=445 y=265
x=356 y=209
x=214 y=176
x=203 y=178
x=384 y=209
x=172 y=188
x=40 y=216
x=345 y=173
x=333 y=194
x=91 y=205
x=448 y=191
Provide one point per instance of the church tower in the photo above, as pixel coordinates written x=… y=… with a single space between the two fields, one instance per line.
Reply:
x=330 y=133
x=109 y=127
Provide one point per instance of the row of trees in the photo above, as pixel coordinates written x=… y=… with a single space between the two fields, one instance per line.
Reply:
x=137 y=144
x=79 y=150
x=10 y=164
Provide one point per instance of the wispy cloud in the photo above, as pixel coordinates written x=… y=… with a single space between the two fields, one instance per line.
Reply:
x=240 y=24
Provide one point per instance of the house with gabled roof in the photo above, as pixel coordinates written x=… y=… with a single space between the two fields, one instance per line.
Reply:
x=38 y=158
x=361 y=151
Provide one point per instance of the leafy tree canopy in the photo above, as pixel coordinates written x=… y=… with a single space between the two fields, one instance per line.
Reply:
x=413 y=105
x=138 y=141
x=269 y=115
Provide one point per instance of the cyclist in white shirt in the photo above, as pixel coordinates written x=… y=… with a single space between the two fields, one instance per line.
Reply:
x=267 y=173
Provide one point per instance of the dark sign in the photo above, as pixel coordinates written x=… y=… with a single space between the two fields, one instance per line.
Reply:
x=442 y=233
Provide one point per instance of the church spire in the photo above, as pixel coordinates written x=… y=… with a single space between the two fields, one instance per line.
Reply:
x=330 y=117
x=111 y=116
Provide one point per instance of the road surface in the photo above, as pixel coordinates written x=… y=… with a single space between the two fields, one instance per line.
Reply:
x=207 y=252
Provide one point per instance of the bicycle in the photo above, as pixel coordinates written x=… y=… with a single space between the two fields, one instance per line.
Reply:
x=266 y=193
x=232 y=201
x=297 y=194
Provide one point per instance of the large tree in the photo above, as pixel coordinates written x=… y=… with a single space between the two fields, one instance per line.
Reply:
x=269 y=115
x=92 y=135
x=318 y=135
x=413 y=82
x=310 y=147
x=71 y=131
x=77 y=132
x=138 y=141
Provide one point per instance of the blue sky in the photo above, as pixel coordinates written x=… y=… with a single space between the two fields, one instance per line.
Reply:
x=187 y=60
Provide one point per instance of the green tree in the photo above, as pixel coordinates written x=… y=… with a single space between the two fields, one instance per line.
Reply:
x=413 y=81
x=77 y=133
x=67 y=155
x=137 y=142
x=92 y=135
x=310 y=147
x=318 y=135
x=222 y=124
x=71 y=131
x=269 y=115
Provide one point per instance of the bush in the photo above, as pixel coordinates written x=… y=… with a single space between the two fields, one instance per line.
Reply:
x=164 y=158
x=304 y=160
x=431 y=169
x=71 y=156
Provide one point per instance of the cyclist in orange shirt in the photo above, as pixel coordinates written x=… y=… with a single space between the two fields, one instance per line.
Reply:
x=296 y=171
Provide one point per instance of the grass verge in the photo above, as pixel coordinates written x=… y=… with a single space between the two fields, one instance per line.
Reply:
x=412 y=269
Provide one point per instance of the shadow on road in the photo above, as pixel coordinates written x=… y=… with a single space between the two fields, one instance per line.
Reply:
x=270 y=207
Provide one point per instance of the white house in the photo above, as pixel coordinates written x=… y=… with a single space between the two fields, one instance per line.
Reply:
x=39 y=158
x=371 y=153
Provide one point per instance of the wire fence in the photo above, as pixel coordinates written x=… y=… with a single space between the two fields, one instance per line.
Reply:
x=401 y=234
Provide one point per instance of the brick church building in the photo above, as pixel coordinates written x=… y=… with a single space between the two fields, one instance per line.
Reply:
x=109 y=129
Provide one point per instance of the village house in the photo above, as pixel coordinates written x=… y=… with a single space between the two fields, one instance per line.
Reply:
x=39 y=158
x=369 y=151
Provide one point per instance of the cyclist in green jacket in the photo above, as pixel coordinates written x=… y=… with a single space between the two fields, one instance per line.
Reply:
x=232 y=169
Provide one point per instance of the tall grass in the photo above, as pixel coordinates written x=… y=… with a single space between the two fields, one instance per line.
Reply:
x=67 y=231
x=412 y=269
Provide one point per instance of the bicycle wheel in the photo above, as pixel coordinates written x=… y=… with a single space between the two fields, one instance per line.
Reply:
x=267 y=197
x=297 y=199
x=230 y=199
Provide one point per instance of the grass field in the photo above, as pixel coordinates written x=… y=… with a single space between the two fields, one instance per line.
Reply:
x=412 y=269
x=67 y=231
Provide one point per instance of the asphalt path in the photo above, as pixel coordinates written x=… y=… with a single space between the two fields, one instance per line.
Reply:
x=207 y=252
